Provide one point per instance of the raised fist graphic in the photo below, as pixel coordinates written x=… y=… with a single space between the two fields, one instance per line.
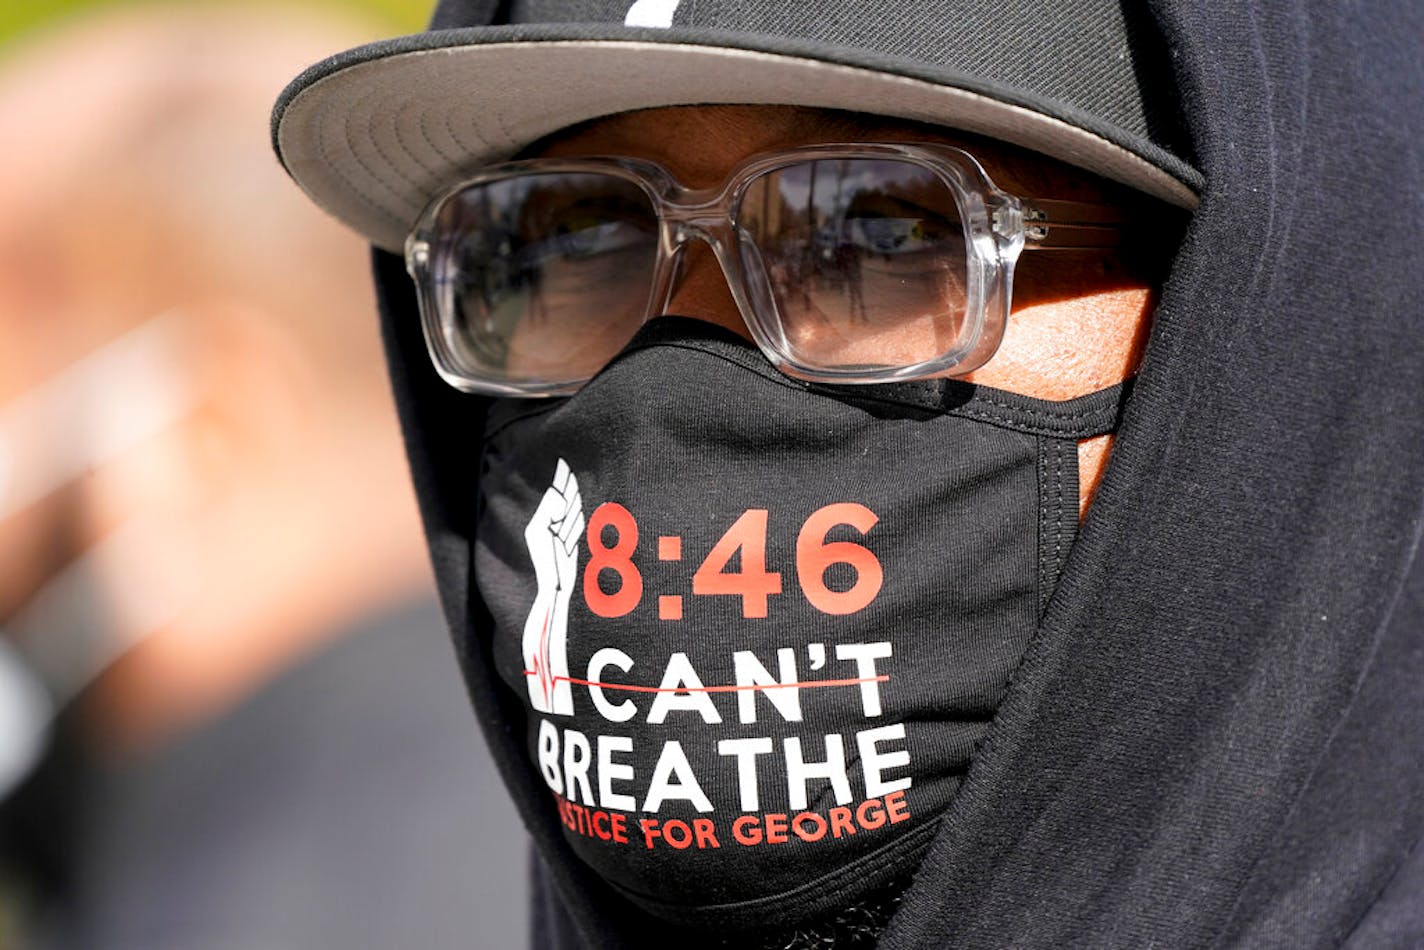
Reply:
x=553 y=537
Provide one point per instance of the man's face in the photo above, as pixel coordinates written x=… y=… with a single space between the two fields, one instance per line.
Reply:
x=938 y=573
x=1079 y=319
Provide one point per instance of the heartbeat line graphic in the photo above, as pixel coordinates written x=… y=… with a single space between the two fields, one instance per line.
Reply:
x=541 y=661
x=754 y=687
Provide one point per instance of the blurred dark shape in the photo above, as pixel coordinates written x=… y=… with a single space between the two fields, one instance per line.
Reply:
x=212 y=570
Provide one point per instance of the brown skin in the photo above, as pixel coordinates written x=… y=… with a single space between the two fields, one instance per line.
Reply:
x=1079 y=319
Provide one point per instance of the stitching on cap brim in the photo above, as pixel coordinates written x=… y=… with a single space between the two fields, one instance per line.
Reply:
x=371 y=142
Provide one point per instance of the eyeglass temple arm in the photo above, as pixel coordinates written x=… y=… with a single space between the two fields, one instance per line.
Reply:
x=1051 y=225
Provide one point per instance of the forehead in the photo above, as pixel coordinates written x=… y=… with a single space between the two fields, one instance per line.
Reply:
x=701 y=144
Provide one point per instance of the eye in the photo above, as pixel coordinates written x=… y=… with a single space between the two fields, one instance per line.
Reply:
x=885 y=225
x=579 y=238
x=893 y=235
x=591 y=225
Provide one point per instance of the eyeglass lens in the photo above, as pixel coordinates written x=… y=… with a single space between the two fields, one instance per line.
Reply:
x=864 y=259
x=548 y=275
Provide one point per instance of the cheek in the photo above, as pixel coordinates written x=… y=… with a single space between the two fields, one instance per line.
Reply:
x=1068 y=348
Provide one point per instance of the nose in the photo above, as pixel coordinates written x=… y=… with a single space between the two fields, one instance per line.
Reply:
x=701 y=290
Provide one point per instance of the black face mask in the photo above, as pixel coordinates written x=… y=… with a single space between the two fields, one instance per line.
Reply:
x=761 y=625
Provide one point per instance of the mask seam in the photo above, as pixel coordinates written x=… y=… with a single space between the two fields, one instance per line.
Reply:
x=1090 y=423
x=491 y=433
x=1083 y=423
x=1058 y=489
x=1047 y=522
x=902 y=850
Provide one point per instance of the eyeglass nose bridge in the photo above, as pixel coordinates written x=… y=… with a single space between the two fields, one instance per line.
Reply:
x=679 y=226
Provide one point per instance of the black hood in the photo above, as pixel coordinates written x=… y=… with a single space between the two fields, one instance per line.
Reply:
x=1215 y=735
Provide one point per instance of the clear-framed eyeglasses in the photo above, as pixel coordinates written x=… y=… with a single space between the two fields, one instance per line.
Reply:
x=864 y=263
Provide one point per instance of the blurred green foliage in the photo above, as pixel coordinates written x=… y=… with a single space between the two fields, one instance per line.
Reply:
x=20 y=16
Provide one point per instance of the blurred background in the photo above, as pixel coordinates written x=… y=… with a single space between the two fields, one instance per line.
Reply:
x=229 y=712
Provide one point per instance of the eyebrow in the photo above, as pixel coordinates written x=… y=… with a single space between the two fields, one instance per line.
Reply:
x=732 y=121
x=899 y=204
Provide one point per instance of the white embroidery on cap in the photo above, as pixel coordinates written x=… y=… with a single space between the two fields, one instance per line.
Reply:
x=651 y=13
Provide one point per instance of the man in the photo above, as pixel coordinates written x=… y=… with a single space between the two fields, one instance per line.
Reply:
x=211 y=557
x=779 y=613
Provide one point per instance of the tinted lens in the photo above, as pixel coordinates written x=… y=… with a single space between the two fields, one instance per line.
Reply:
x=544 y=277
x=864 y=260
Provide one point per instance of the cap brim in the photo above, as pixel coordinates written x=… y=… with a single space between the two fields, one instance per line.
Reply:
x=372 y=135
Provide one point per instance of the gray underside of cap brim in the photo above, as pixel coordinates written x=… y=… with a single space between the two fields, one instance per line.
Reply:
x=374 y=141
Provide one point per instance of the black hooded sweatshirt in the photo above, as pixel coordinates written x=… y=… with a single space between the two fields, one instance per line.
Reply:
x=1216 y=735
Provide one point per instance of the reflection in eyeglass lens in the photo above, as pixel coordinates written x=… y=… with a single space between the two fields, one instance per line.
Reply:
x=865 y=259
x=552 y=272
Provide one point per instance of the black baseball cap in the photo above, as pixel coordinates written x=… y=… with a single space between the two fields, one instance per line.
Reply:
x=374 y=133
